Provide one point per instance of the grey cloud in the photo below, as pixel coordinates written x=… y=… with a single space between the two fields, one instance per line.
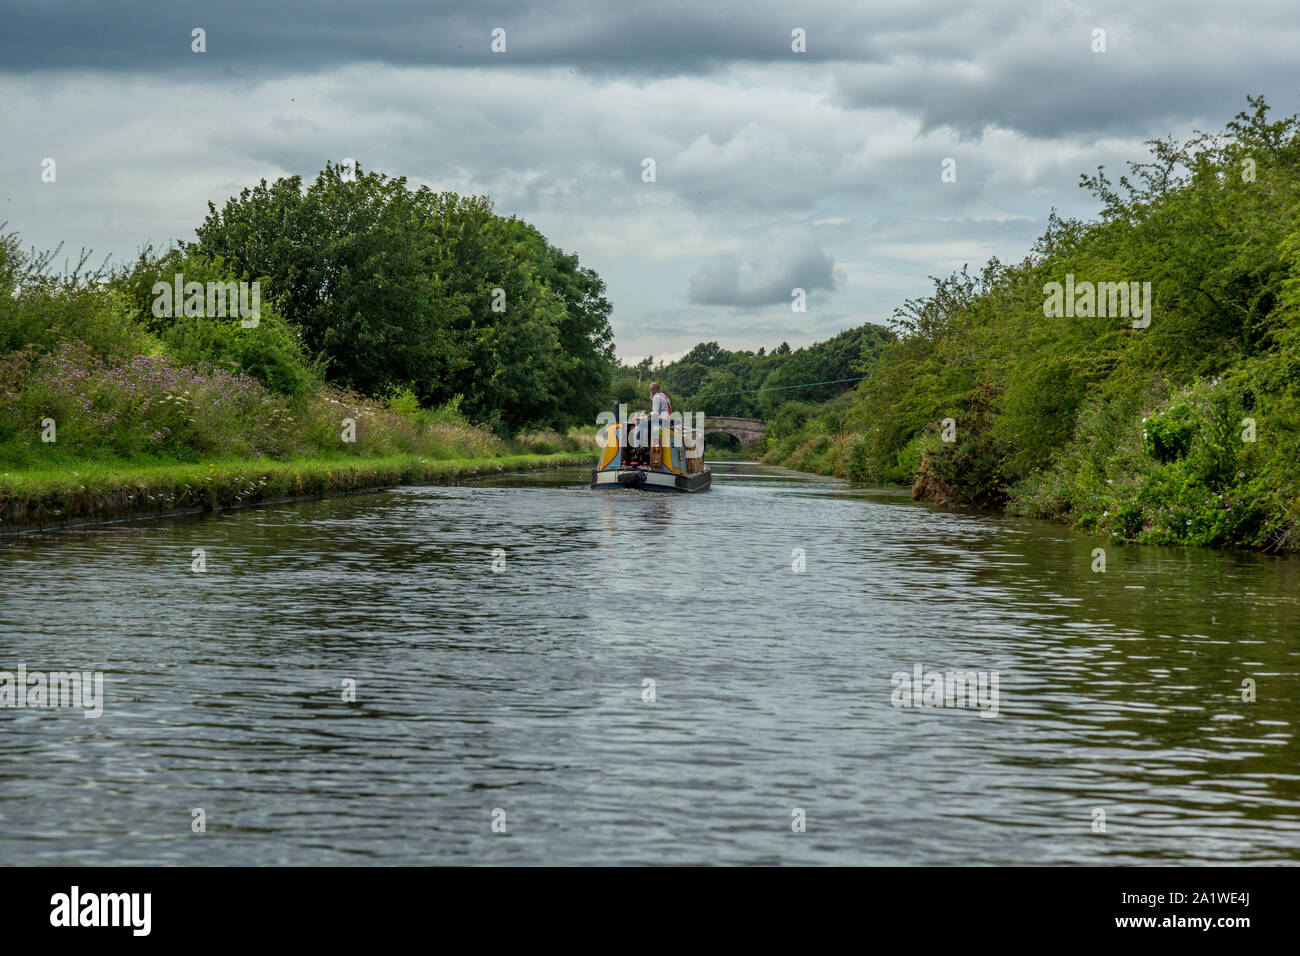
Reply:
x=655 y=38
x=773 y=157
x=998 y=64
x=1163 y=65
x=788 y=265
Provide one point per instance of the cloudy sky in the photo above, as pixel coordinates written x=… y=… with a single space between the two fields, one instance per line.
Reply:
x=774 y=169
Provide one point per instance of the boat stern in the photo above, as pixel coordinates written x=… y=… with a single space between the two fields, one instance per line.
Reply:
x=651 y=457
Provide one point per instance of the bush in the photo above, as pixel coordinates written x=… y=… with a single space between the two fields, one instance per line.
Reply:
x=1167 y=437
x=271 y=351
x=39 y=311
x=1132 y=431
x=147 y=405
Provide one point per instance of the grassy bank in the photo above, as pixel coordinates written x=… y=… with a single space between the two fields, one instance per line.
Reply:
x=346 y=337
x=103 y=416
x=109 y=490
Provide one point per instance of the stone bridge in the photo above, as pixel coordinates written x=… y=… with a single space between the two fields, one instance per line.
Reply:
x=748 y=430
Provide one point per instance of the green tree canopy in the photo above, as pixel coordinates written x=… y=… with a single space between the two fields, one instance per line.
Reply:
x=397 y=287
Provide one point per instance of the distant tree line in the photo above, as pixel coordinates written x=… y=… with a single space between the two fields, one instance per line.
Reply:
x=748 y=384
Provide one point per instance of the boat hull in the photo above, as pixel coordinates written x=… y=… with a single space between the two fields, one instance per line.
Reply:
x=645 y=480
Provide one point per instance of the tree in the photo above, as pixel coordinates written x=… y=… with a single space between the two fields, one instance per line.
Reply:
x=406 y=288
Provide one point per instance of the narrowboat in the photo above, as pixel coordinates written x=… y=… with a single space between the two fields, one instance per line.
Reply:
x=652 y=456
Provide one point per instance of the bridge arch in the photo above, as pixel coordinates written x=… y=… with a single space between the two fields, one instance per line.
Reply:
x=749 y=431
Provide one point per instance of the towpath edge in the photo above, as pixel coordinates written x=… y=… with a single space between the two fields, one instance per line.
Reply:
x=31 y=503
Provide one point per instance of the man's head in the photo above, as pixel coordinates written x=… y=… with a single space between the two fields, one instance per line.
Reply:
x=654 y=388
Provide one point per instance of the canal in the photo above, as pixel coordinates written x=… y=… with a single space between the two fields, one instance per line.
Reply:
x=628 y=677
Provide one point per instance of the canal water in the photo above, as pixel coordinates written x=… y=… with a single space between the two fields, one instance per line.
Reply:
x=646 y=678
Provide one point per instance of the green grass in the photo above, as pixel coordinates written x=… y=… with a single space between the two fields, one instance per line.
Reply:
x=106 y=490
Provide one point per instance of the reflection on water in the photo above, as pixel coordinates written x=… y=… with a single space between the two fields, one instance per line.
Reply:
x=1119 y=691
